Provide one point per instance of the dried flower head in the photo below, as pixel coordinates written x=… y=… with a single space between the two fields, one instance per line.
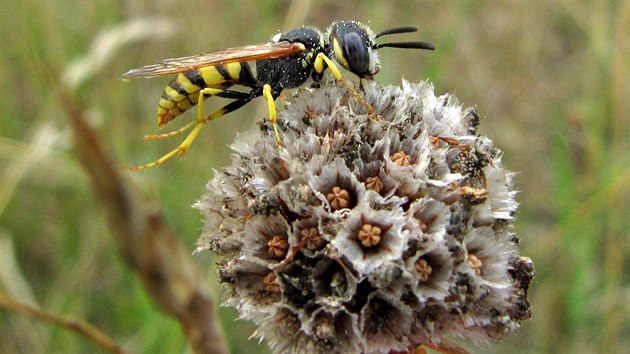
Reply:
x=368 y=235
x=424 y=269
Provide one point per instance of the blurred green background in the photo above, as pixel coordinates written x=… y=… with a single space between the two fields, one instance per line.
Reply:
x=549 y=79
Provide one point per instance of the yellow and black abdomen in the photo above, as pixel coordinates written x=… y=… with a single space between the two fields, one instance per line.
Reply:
x=182 y=93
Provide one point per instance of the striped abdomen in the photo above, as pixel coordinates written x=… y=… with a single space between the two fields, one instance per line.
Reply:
x=182 y=93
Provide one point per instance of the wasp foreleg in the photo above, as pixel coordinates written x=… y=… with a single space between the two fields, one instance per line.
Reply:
x=319 y=68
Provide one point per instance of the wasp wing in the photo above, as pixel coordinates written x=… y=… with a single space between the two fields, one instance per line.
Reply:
x=240 y=54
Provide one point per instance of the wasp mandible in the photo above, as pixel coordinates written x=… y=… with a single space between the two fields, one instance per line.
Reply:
x=266 y=69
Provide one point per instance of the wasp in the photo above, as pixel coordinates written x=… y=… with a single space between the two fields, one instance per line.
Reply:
x=289 y=60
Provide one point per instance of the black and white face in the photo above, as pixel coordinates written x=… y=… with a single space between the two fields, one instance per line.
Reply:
x=352 y=44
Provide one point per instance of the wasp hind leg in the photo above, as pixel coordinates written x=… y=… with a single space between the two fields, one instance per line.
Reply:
x=241 y=99
x=208 y=91
x=319 y=68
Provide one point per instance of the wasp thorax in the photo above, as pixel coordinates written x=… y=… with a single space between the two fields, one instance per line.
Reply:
x=365 y=243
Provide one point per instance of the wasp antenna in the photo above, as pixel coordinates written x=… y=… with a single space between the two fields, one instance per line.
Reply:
x=411 y=45
x=408 y=29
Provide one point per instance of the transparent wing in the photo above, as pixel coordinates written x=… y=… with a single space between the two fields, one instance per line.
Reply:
x=240 y=54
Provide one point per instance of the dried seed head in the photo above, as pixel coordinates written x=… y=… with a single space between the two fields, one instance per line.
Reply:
x=339 y=198
x=369 y=235
x=271 y=280
x=475 y=263
x=362 y=235
x=312 y=239
x=374 y=183
x=401 y=158
x=424 y=269
x=278 y=246
x=475 y=195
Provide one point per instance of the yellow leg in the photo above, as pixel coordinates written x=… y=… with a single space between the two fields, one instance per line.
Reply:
x=319 y=68
x=181 y=149
x=198 y=124
x=200 y=117
x=272 y=112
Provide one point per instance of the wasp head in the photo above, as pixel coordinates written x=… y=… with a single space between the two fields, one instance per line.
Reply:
x=354 y=46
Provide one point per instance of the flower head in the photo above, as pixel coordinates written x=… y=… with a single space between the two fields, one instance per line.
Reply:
x=368 y=235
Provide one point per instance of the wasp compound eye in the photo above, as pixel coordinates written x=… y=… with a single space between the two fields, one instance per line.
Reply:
x=356 y=53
